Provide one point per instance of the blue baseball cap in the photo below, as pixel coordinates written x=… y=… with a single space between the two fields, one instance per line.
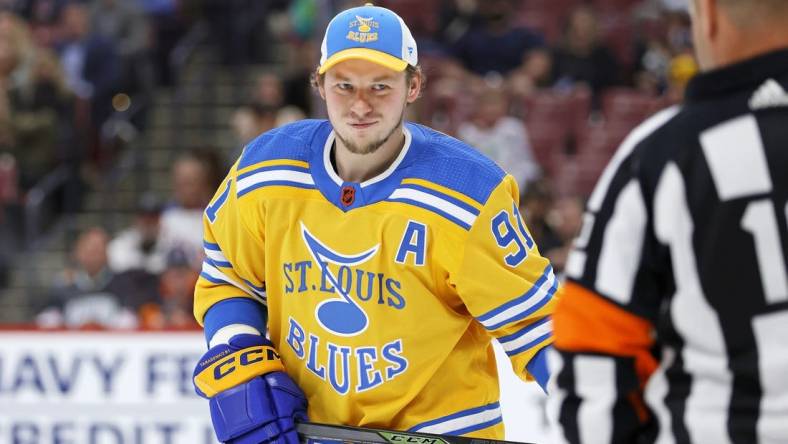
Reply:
x=370 y=33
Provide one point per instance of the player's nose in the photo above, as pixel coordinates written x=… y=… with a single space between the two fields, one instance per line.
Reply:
x=360 y=105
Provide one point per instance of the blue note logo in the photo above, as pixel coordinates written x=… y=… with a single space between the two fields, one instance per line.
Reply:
x=342 y=316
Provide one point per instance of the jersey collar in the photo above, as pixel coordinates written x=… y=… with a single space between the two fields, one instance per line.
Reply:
x=372 y=190
x=738 y=77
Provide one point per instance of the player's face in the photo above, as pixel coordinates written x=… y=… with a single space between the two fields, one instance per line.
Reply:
x=366 y=103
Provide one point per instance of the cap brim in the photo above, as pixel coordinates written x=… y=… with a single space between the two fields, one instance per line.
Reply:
x=381 y=58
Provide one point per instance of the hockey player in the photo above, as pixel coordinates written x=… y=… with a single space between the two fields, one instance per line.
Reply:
x=674 y=324
x=381 y=257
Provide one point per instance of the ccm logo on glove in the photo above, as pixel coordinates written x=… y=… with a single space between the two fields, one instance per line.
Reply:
x=246 y=357
x=231 y=368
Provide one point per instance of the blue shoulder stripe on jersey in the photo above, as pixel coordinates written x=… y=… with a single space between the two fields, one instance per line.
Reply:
x=213 y=275
x=214 y=253
x=466 y=421
x=272 y=168
x=291 y=141
x=443 y=196
x=256 y=289
x=535 y=298
x=259 y=291
x=235 y=311
x=217 y=263
x=453 y=164
x=212 y=279
x=438 y=211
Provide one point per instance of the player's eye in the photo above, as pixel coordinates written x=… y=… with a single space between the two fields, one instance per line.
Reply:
x=378 y=87
x=344 y=86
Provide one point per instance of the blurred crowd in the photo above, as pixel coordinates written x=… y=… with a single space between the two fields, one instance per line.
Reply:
x=144 y=275
x=546 y=88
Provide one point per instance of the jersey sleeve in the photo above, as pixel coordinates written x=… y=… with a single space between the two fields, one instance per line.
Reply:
x=604 y=323
x=233 y=241
x=505 y=283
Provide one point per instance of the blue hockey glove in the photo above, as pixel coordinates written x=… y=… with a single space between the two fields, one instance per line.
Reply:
x=252 y=399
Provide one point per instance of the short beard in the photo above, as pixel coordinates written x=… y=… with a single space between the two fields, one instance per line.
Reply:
x=370 y=147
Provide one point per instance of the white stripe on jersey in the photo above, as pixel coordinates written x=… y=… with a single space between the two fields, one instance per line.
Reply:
x=224 y=334
x=576 y=262
x=435 y=202
x=731 y=148
x=622 y=246
x=654 y=394
x=512 y=312
x=594 y=376
x=461 y=422
x=635 y=137
x=274 y=176
x=771 y=335
x=555 y=363
x=215 y=255
x=532 y=335
x=215 y=273
x=704 y=354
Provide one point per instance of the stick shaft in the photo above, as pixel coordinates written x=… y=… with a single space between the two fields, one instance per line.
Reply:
x=359 y=435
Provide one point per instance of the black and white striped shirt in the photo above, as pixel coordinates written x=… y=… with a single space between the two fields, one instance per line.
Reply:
x=687 y=233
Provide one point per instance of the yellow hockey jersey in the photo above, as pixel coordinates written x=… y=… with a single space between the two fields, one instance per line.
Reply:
x=382 y=296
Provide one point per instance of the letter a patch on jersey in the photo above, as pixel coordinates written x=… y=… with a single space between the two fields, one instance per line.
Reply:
x=414 y=240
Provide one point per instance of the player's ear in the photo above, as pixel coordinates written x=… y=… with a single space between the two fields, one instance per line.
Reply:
x=319 y=82
x=414 y=87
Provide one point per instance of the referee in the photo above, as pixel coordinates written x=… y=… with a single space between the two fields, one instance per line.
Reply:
x=674 y=323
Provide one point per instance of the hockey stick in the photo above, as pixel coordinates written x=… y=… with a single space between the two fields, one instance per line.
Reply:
x=359 y=435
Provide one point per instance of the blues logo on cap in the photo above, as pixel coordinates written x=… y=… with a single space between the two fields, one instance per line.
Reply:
x=371 y=33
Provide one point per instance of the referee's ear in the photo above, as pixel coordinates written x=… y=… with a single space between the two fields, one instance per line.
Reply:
x=707 y=15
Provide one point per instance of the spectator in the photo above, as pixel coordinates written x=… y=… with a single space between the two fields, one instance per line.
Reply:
x=566 y=217
x=501 y=137
x=241 y=30
x=494 y=44
x=288 y=114
x=659 y=53
x=42 y=15
x=269 y=90
x=581 y=58
x=534 y=73
x=449 y=96
x=92 y=71
x=253 y=119
x=79 y=295
x=682 y=68
x=124 y=23
x=34 y=102
x=195 y=176
x=168 y=24
x=138 y=247
x=88 y=271
x=176 y=289
x=536 y=201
